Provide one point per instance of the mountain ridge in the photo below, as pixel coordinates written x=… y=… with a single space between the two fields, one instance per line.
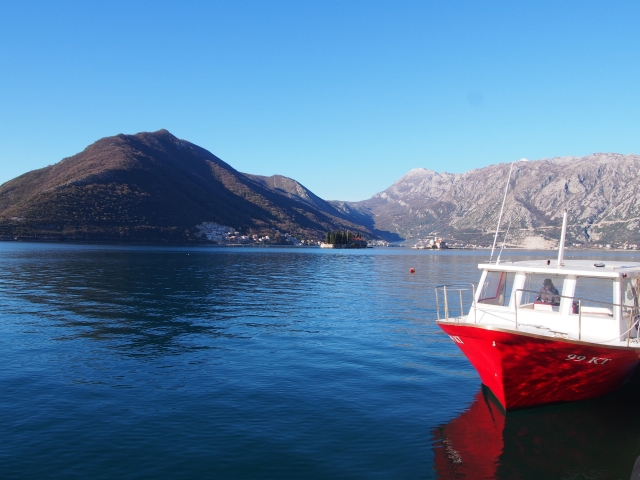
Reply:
x=153 y=186
x=464 y=207
x=150 y=186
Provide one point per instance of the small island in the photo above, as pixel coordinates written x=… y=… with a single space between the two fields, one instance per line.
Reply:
x=343 y=239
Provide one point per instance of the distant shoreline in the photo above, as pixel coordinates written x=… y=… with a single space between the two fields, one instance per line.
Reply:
x=155 y=244
x=241 y=245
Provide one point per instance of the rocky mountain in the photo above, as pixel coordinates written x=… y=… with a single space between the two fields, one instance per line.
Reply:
x=156 y=187
x=600 y=192
x=294 y=190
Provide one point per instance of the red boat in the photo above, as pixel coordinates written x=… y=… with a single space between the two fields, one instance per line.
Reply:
x=539 y=332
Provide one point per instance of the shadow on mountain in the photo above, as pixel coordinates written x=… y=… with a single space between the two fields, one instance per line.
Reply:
x=361 y=213
x=151 y=187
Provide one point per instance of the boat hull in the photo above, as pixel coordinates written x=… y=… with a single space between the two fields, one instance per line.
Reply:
x=525 y=370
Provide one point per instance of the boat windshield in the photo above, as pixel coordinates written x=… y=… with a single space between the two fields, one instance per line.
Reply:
x=631 y=309
x=496 y=289
x=595 y=296
x=542 y=289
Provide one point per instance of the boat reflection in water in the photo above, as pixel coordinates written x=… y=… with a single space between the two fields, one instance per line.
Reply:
x=597 y=439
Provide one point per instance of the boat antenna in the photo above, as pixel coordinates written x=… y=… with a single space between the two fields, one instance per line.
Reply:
x=504 y=199
x=504 y=242
x=562 y=238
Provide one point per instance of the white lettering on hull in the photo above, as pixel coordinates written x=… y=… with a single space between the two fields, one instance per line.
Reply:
x=581 y=358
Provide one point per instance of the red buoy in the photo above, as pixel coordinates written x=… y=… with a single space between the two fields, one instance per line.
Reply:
x=413 y=270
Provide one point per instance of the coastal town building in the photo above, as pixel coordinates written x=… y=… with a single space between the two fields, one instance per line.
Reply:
x=225 y=235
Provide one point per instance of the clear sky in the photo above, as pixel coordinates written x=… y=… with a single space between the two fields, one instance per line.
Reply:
x=343 y=96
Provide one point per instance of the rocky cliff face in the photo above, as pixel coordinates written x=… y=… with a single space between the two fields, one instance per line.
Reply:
x=599 y=191
x=292 y=189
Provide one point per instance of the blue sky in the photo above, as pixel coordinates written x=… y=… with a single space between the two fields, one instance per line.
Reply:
x=343 y=96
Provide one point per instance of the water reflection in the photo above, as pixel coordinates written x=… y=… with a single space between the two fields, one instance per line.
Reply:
x=258 y=364
x=119 y=294
x=598 y=439
x=155 y=300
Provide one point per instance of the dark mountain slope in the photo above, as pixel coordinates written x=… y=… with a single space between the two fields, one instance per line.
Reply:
x=345 y=210
x=149 y=187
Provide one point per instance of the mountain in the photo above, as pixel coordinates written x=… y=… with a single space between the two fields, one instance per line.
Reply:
x=156 y=187
x=599 y=191
x=153 y=187
x=294 y=190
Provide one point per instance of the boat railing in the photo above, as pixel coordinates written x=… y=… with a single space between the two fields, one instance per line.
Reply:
x=457 y=289
x=633 y=311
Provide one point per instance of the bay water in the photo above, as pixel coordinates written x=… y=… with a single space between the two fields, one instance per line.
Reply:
x=166 y=362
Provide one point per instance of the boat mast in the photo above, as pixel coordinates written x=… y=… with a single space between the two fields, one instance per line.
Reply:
x=504 y=242
x=506 y=189
x=562 y=238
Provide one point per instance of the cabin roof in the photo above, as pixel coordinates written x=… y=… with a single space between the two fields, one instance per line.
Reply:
x=582 y=268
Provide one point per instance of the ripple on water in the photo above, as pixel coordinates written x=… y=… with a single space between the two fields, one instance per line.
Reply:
x=186 y=363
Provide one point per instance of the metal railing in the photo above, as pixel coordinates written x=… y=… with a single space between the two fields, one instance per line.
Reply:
x=627 y=311
x=632 y=311
x=457 y=289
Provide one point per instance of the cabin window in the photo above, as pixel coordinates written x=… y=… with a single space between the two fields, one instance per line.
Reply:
x=631 y=308
x=595 y=295
x=543 y=291
x=496 y=288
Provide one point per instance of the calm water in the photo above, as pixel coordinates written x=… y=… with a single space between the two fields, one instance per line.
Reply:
x=266 y=363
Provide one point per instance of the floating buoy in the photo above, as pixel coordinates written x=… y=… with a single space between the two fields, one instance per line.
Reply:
x=413 y=270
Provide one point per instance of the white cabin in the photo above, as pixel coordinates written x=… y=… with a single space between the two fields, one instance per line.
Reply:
x=588 y=301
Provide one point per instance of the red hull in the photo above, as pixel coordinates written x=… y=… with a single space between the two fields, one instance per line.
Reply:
x=524 y=370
